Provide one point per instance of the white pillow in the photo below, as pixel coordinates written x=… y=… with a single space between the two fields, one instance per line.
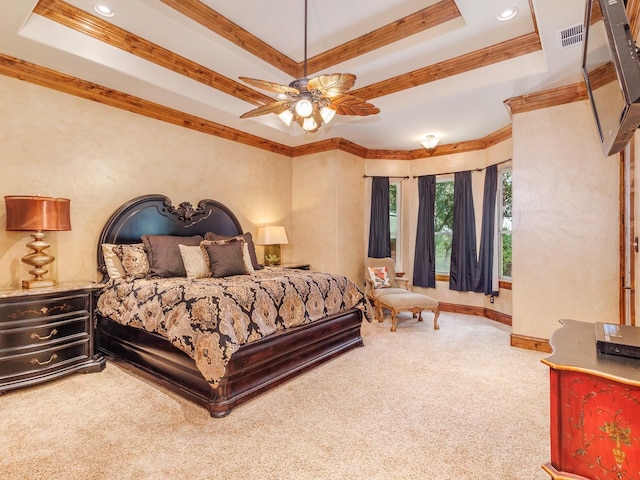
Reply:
x=112 y=261
x=195 y=263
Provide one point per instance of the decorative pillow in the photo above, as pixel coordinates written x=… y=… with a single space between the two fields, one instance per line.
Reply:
x=246 y=237
x=134 y=259
x=195 y=261
x=164 y=255
x=380 y=277
x=112 y=262
x=225 y=258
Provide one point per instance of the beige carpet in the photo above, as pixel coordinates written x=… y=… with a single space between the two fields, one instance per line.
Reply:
x=458 y=403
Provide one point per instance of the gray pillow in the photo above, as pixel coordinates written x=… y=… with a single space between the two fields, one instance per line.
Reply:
x=225 y=259
x=164 y=255
x=246 y=237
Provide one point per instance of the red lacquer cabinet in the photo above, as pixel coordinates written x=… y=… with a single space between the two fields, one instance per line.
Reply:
x=594 y=409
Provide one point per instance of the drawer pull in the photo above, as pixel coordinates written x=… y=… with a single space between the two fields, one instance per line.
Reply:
x=35 y=336
x=35 y=361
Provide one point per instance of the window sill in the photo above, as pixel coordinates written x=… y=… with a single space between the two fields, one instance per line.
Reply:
x=502 y=284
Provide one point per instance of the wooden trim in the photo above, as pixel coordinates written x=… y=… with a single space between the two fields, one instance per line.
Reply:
x=16 y=68
x=483 y=57
x=547 y=98
x=26 y=71
x=478 y=311
x=422 y=20
x=531 y=343
x=79 y=20
x=633 y=14
x=425 y=19
x=504 y=285
x=632 y=233
x=621 y=238
x=200 y=13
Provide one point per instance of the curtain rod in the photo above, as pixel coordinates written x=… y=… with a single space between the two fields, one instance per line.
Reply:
x=379 y=176
x=474 y=170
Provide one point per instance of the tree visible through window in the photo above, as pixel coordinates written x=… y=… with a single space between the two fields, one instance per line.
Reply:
x=505 y=223
x=443 y=225
x=394 y=218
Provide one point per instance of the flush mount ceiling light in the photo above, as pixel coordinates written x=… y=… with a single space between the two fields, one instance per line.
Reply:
x=104 y=10
x=507 y=14
x=312 y=101
x=430 y=142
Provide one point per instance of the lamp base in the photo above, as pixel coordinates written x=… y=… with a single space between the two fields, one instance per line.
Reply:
x=272 y=254
x=38 y=283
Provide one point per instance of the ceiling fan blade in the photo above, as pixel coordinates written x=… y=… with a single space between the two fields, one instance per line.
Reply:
x=350 y=105
x=272 y=87
x=333 y=84
x=276 y=107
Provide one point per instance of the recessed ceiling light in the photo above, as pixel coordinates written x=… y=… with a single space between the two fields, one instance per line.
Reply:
x=104 y=10
x=507 y=14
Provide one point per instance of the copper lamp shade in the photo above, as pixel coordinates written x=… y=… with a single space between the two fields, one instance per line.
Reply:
x=37 y=214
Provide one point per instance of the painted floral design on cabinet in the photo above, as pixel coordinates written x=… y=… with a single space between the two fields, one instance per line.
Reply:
x=602 y=429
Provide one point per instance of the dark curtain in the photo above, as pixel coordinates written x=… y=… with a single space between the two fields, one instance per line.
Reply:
x=464 y=256
x=379 y=230
x=424 y=263
x=484 y=279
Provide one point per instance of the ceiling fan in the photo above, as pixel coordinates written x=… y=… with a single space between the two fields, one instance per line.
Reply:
x=311 y=101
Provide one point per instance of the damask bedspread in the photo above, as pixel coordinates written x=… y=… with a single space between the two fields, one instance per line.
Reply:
x=210 y=318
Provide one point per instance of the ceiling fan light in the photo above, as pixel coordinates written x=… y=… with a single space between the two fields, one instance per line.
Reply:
x=286 y=117
x=327 y=114
x=304 y=107
x=430 y=142
x=309 y=124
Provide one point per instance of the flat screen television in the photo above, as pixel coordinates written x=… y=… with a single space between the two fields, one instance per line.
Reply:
x=611 y=70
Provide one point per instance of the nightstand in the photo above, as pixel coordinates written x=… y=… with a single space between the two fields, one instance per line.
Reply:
x=47 y=333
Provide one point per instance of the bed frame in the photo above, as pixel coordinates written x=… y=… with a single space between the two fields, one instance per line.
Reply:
x=255 y=367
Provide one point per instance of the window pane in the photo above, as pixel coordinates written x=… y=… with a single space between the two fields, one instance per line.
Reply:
x=505 y=223
x=443 y=226
x=505 y=266
x=393 y=217
x=506 y=200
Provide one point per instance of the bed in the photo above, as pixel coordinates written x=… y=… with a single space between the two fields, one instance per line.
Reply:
x=256 y=358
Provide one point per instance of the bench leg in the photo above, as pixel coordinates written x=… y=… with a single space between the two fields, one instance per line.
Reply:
x=436 y=314
x=393 y=320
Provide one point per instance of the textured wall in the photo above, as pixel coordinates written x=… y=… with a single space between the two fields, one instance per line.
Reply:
x=327 y=206
x=566 y=217
x=59 y=145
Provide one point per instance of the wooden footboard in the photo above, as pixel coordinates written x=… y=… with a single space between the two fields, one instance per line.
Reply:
x=254 y=368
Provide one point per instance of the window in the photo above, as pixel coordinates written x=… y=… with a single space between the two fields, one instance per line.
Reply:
x=443 y=224
x=504 y=224
x=395 y=201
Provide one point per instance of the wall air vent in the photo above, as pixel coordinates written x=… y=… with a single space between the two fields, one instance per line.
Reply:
x=570 y=36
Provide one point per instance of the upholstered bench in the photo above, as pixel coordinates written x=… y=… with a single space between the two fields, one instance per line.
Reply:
x=407 y=302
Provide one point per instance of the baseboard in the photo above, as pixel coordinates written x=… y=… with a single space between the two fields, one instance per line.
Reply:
x=479 y=311
x=530 y=343
x=519 y=341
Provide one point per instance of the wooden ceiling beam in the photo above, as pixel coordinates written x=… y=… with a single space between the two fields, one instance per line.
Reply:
x=77 y=19
x=220 y=25
x=22 y=70
x=425 y=19
x=483 y=57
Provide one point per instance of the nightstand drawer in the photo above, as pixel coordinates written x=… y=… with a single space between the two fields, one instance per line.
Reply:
x=26 y=308
x=49 y=359
x=35 y=333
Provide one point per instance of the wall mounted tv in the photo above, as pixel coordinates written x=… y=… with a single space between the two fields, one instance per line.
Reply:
x=611 y=70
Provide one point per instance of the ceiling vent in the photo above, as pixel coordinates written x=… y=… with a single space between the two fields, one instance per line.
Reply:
x=570 y=36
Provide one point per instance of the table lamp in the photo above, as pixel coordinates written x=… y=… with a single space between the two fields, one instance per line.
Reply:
x=272 y=237
x=37 y=214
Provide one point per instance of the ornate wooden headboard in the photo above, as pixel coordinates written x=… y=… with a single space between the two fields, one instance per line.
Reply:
x=156 y=215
